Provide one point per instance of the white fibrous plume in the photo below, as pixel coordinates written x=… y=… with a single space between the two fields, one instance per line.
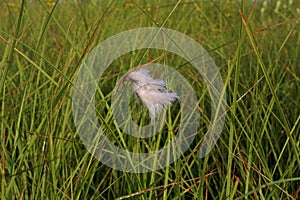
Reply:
x=151 y=91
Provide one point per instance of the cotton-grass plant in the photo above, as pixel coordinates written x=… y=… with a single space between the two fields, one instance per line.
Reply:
x=152 y=92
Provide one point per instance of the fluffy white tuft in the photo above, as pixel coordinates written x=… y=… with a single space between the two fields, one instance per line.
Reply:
x=151 y=91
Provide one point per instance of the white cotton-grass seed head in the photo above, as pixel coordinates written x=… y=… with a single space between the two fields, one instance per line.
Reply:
x=151 y=91
x=142 y=77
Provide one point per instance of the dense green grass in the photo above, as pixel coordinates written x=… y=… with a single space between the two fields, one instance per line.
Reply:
x=258 y=153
